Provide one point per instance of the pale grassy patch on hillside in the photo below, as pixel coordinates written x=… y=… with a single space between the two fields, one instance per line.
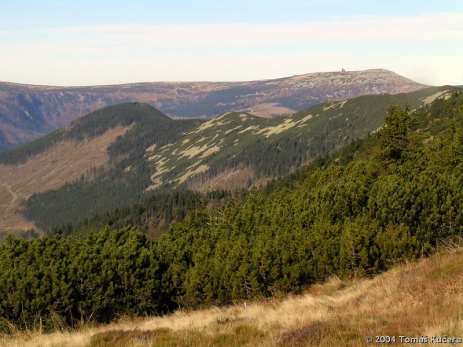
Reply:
x=194 y=151
x=176 y=164
x=229 y=131
x=157 y=182
x=431 y=98
x=334 y=105
x=151 y=148
x=160 y=167
x=302 y=122
x=249 y=128
x=414 y=299
x=283 y=126
x=278 y=129
x=210 y=151
x=63 y=163
x=201 y=139
x=215 y=122
x=190 y=172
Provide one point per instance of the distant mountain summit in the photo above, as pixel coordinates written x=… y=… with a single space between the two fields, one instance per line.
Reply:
x=28 y=111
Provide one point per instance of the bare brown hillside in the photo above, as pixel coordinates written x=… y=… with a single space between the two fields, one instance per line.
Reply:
x=60 y=164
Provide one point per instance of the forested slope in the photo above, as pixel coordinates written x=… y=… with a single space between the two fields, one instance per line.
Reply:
x=94 y=165
x=392 y=196
x=232 y=151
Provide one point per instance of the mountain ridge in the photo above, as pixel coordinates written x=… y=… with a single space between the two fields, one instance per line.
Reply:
x=51 y=86
x=30 y=111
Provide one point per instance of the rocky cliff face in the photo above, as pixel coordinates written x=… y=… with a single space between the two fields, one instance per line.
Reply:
x=27 y=112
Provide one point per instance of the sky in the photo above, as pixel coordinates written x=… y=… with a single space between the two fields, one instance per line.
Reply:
x=63 y=42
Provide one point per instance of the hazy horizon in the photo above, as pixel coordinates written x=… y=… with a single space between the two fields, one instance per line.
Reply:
x=62 y=43
x=200 y=81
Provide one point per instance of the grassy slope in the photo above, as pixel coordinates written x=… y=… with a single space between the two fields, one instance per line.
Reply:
x=416 y=299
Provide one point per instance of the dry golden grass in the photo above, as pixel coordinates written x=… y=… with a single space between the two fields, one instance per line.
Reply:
x=62 y=163
x=422 y=298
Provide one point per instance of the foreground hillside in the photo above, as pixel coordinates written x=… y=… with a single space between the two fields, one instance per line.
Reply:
x=136 y=151
x=391 y=197
x=28 y=112
x=415 y=299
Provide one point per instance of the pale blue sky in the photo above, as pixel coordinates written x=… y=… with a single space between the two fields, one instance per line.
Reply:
x=99 y=42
